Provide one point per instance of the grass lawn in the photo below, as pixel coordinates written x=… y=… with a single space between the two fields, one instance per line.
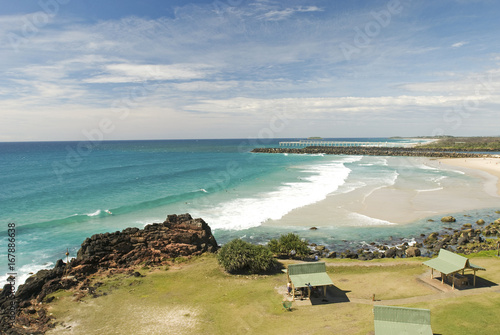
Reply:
x=198 y=297
x=386 y=282
x=476 y=314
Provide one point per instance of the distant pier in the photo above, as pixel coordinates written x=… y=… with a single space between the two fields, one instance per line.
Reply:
x=320 y=143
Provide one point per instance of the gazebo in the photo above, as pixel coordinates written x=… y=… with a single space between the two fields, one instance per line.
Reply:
x=308 y=275
x=449 y=263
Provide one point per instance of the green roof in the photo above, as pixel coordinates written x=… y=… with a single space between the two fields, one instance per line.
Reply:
x=305 y=274
x=448 y=262
x=390 y=320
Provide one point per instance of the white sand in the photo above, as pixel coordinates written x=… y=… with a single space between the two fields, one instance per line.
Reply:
x=488 y=165
x=399 y=205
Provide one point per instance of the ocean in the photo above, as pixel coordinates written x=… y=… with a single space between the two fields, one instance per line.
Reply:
x=59 y=193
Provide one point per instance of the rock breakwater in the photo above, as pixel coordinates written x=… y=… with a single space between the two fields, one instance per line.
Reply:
x=375 y=151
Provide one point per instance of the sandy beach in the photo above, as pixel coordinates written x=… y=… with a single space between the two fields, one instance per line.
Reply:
x=488 y=165
x=404 y=203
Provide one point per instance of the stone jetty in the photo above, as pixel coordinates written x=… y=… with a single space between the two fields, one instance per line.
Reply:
x=375 y=151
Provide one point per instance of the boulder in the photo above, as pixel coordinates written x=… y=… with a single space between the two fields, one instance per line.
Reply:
x=333 y=254
x=348 y=254
x=390 y=253
x=480 y=222
x=448 y=219
x=413 y=252
x=462 y=240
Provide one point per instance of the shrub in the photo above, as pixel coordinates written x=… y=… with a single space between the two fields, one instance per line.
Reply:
x=239 y=256
x=289 y=245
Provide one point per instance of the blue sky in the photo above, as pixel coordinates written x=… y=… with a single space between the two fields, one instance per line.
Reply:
x=130 y=69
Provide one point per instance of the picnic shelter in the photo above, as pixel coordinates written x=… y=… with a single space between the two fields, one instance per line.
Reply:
x=391 y=320
x=452 y=267
x=308 y=275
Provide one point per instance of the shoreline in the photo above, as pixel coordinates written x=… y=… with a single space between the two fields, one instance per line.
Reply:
x=400 y=205
x=490 y=165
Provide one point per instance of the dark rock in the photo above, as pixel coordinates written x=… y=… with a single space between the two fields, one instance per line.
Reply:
x=480 y=222
x=33 y=285
x=448 y=219
x=333 y=254
x=463 y=240
x=413 y=252
x=348 y=254
x=390 y=253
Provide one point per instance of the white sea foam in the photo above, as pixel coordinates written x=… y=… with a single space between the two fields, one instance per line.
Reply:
x=383 y=182
x=363 y=220
x=25 y=271
x=97 y=212
x=349 y=187
x=427 y=167
x=321 y=180
x=431 y=189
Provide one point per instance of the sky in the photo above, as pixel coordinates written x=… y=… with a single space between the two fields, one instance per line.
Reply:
x=130 y=69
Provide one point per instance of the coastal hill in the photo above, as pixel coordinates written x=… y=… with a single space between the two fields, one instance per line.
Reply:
x=465 y=143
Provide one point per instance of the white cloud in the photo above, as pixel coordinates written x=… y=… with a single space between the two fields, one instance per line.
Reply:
x=244 y=61
x=282 y=14
x=308 y=107
x=130 y=73
x=459 y=44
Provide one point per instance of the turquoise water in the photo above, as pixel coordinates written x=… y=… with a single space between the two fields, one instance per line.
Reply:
x=59 y=193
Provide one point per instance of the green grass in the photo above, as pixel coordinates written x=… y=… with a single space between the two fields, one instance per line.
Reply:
x=465 y=315
x=198 y=297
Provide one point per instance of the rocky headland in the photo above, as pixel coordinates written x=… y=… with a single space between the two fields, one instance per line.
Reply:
x=105 y=254
x=376 y=151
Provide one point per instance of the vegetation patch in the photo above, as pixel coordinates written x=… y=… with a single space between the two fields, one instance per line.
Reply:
x=466 y=143
x=289 y=245
x=239 y=256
